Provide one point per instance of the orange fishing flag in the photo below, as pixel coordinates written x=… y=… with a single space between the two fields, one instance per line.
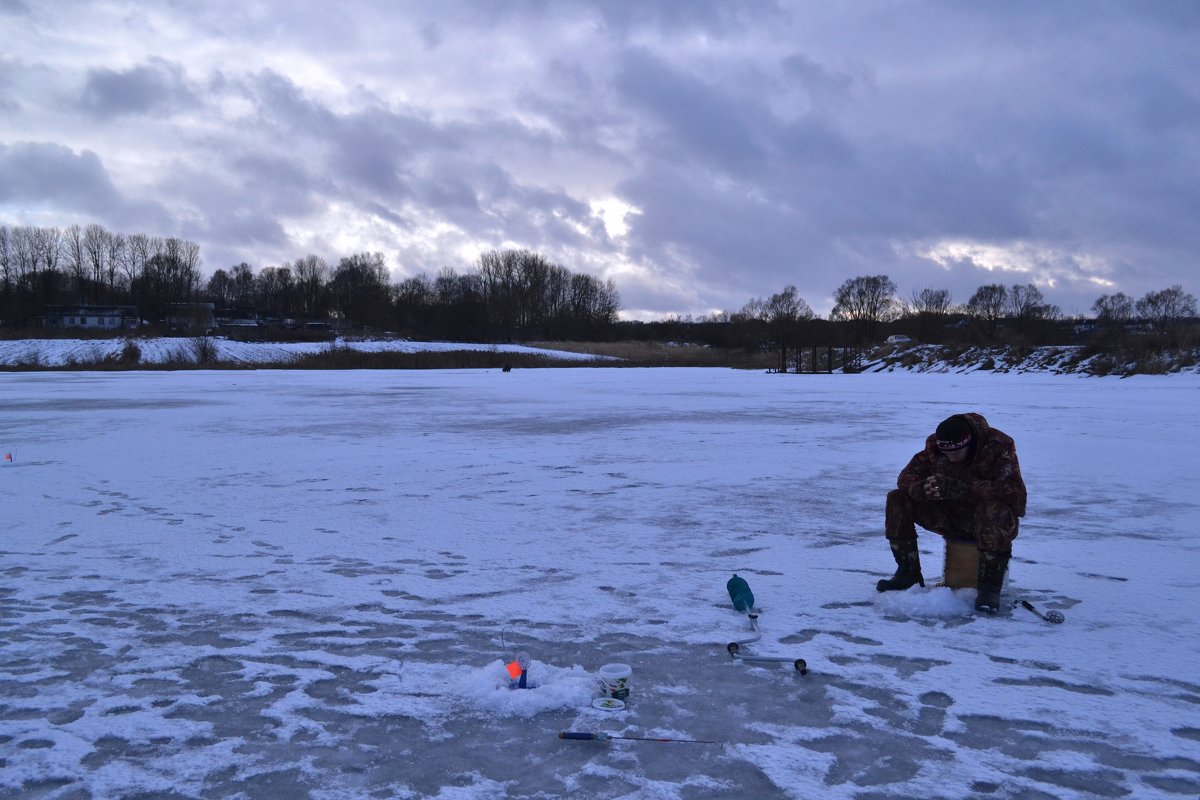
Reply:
x=8 y=456
x=514 y=669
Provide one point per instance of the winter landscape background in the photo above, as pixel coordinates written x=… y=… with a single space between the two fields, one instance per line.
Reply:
x=283 y=584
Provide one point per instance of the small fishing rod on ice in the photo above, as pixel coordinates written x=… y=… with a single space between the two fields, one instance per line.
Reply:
x=587 y=736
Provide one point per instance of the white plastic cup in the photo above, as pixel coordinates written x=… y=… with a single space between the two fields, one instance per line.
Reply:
x=615 y=680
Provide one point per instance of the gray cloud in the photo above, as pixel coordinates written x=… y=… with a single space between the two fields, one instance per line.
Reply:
x=716 y=18
x=42 y=172
x=156 y=87
x=237 y=230
x=432 y=36
x=704 y=121
x=16 y=8
x=45 y=175
x=822 y=84
x=7 y=80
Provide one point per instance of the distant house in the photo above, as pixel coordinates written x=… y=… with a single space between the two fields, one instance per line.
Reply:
x=898 y=338
x=191 y=317
x=240 y=323
x=94 y=318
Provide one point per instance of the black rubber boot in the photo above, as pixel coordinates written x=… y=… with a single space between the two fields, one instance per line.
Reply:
x=992 y=567
x=908 y=568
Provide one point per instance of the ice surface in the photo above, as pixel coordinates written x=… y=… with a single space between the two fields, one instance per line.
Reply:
x=306 y=584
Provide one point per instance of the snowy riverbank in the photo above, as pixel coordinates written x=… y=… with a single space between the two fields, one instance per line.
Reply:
x=83 y=352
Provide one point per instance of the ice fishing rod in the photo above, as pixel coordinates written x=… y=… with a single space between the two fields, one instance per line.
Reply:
x=1050 y=616
x=587 y=736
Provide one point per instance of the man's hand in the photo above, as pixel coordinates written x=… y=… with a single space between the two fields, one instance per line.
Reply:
x=916 y=490
x=940 y=487
x=931 y=486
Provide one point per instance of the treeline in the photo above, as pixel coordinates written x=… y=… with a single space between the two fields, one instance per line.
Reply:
x=869 y=308
x=510 y=295
x=42 y=267
x=507 y=296
x=519 y=295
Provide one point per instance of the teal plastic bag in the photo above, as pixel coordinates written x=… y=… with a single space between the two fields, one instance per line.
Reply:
x=740 y=594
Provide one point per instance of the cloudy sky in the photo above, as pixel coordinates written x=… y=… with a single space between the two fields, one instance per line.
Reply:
x=698 y=152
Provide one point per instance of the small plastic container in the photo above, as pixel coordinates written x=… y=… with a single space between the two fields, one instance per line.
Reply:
x=615 y=680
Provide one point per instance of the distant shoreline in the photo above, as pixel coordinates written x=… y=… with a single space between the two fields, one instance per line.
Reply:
x=213 y=352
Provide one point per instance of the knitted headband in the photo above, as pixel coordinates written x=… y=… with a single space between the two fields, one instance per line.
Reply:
x=954 y=433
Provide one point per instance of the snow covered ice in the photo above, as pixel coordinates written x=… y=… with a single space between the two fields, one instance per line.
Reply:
x=306 y=585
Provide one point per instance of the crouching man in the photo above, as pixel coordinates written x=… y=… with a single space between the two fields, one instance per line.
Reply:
x=966 y=484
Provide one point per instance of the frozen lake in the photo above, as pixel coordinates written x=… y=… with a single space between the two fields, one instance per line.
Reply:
x=306 y=584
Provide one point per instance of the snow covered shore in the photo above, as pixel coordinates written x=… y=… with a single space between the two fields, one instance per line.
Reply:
x=82 y=352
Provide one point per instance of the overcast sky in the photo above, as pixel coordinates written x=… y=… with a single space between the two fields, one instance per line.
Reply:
x=698 y=152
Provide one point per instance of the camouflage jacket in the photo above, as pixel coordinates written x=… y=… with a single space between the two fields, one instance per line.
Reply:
x=991 y=471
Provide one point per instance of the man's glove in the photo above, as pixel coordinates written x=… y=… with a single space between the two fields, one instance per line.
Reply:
x=952 y=488
x=916 y=490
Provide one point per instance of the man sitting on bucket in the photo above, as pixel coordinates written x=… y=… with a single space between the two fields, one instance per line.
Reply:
x=966 y=484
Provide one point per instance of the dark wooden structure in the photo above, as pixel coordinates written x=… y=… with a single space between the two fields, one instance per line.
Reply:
x=825 y=358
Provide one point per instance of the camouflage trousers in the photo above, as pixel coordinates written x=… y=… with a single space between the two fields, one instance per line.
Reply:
x=992 y=526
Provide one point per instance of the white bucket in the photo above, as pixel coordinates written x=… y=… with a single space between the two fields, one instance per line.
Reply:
x=614 y=681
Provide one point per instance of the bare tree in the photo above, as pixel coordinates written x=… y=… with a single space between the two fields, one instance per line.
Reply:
x=77 y=262
x=24 y=259
x=755 y=308
x=47 y=252
x=138 y=251
x=928 y=308
x=6 y=263
x=932 y=302
x=558 y=290
x=275 y=289
x=591 y=303
x=190 y=263
x=533 y=278
x=116 y=246
x=608 y=305
x=95 y=248
x=417 y=291
x=987 y=306
x=1113 y=308
x=220 y=289
x=865 y=302
x=360 y=288
x=498 y=270
x=171 y=275
x=311 y=272
x=1113 y=312
x=241 y=279
x=417 y=301
x=1025 y=305
x=783 y=313
x=445 y=287
x=1167 y=308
